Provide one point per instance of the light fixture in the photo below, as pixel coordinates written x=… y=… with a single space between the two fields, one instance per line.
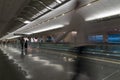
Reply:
x=63 y=0
x=63 y=14
x=88 y=4
x=49 y=8
x=105 y=14
x=74 y=32
x=46 y=29
x=13 y=37
x=27 y=22
x=58 y=1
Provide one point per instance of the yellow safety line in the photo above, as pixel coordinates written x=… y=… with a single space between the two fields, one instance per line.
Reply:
x=102 y=60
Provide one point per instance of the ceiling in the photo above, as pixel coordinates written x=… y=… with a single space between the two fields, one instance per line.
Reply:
x=15 y=12
x=100 y=9
x=44 y=14
x=8 y=11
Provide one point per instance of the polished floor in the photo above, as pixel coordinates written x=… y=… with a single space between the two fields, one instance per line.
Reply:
x=42 y=64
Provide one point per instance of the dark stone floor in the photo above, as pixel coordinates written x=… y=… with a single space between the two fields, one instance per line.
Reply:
x=41 y=64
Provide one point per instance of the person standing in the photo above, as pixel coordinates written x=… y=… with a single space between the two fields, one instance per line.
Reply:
x=26 y=46
x=22 y=43
x=22 y=46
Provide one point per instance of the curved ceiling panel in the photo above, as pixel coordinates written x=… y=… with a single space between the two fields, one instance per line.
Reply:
x=100 y=9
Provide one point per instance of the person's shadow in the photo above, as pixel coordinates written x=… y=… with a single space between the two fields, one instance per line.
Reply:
x=26 y=46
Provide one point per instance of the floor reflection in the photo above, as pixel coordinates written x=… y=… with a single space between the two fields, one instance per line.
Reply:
x=22 y=55
x=81 y=71
x=54 y=65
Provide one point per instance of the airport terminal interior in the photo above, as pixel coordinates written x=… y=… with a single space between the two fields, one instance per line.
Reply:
x=59 y=39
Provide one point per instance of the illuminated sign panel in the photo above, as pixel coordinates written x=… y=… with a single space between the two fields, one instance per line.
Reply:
x=114 y=38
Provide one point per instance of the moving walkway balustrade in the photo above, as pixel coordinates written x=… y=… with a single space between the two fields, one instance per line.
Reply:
x=100 y=49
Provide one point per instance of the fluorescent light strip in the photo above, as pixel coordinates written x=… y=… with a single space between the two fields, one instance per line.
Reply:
x=49 y=8
x=109 y=13
x=46 y=29
x=53 y=5
x=13 y=37
x=45 y=5
x=58 y=1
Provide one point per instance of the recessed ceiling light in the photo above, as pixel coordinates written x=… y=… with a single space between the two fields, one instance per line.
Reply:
x=27 y=22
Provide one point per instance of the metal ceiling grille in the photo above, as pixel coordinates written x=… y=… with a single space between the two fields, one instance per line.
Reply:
x=37 y=8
